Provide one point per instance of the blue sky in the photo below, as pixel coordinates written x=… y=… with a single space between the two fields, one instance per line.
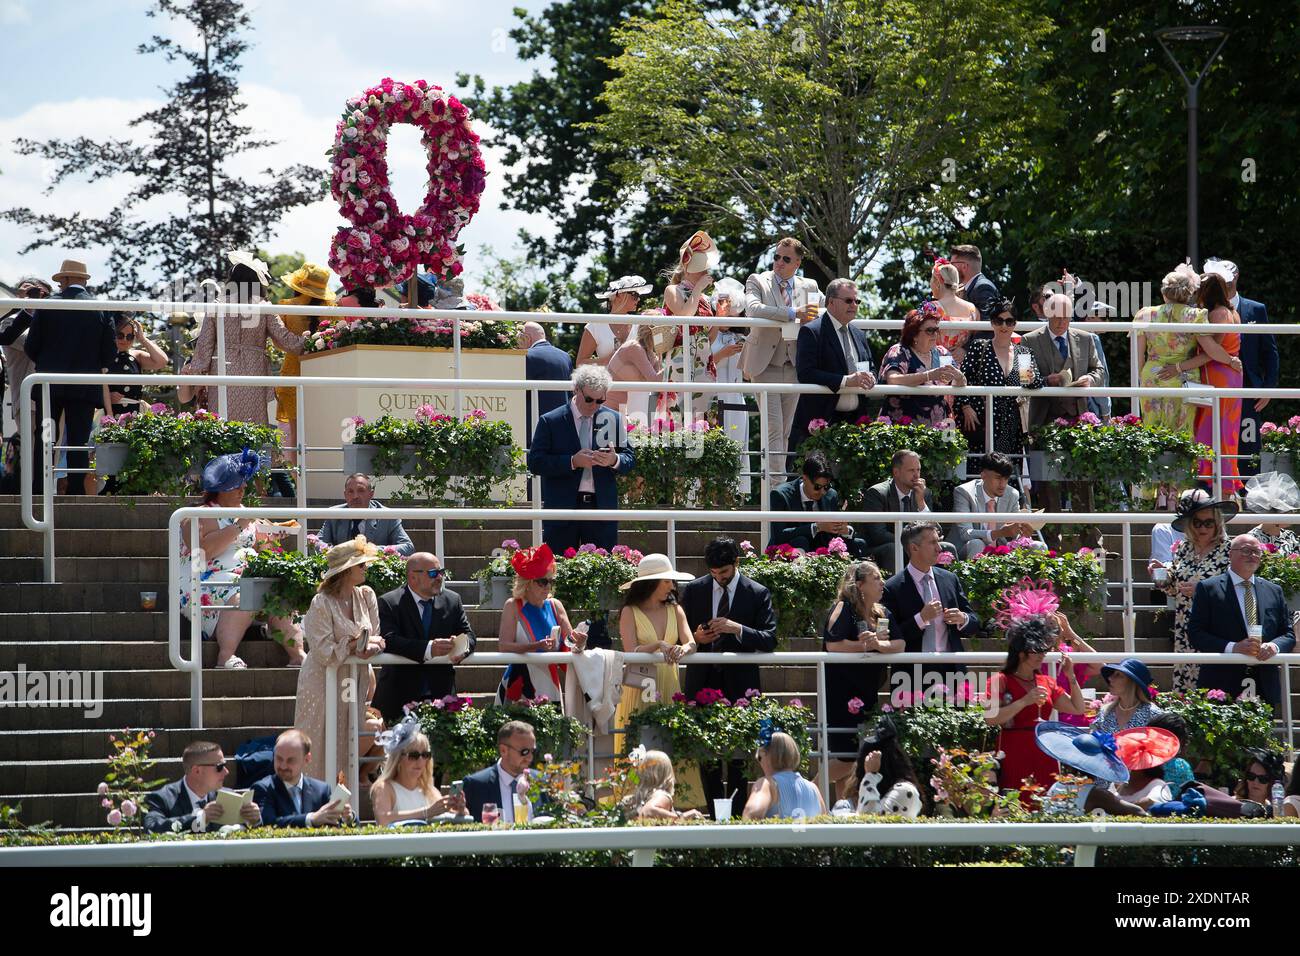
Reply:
x=70 y=69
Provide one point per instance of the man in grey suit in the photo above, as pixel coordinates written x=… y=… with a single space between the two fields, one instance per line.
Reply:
x=768 y=356
x=991 y=493
x=359 y=492
x=904 y=490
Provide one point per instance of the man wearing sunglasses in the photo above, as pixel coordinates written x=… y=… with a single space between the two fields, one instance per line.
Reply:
x=833 y=354
x=780 y=296
x=1238 y=612
x=516 y=747
x=813 y=491
x=423 y=621
x=578 y=450
x=185 y=805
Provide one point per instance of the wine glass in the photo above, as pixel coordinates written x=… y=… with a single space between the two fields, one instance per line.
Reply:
x=491 y=814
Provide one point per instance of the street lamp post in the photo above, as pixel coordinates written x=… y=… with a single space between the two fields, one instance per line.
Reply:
x=1188 y=34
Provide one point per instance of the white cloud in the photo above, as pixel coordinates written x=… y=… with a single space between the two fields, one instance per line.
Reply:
x=13 y=12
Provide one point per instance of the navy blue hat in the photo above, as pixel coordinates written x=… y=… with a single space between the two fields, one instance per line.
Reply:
x=426 y=289
x=1133 y=669
x=1094 y=754
x=228 y=472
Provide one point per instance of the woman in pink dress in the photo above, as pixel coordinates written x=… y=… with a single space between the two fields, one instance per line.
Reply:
x=1214 y=298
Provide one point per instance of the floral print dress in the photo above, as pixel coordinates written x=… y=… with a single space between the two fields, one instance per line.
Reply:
x=1188 y=567
x=221 y=570
x=1284 y=542
x=918 y=409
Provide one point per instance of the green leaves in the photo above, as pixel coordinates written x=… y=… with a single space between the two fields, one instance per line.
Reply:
x=698 y=469
x=803 y=590
x=464 y=738
x=1078 y=579
x=709 y=734
x=860 y=453
x=1220 y=730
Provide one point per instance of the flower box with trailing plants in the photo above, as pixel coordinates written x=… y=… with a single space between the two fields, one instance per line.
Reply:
x=859 y=453
x=475 y=333
x=692 y=466
x=444 y=460
x=803 y=583
x=932 y=720
x=1281 y=445
x=587 y=579
x=464 y=737
x=1284 y=570
x=1113 y=452
x=710 y=729
x=283 y=582
x=1078 y=579
x=159 y=452
x=1220 y=730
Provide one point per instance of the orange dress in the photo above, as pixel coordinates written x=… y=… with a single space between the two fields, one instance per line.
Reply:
x=1222 y=376
x=1023 y=757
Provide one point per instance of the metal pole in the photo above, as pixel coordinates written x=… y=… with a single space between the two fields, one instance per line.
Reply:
x=823 y=719
x=765 y=471
x=331 y=724
x=535 y=481
x=439 y=542
x=354 y=745
x=455 y=357
x=49 y=433
x=988 y=427
x=688 y=360
x=1193 y=103
x=220 y=318
x=1286 y=709
x=672 y=541
x=1130 y=619
x=300 y=456
x=196 y=627
x=1216 y=444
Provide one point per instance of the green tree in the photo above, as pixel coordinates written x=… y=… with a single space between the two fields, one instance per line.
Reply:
x=840 y=120
x=193 y=140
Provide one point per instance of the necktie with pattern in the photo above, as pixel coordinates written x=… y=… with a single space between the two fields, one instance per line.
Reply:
x=1252 y=612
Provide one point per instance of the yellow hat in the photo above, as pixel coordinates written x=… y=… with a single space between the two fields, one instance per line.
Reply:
x=310 y=279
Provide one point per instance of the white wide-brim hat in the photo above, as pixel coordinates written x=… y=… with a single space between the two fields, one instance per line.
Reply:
x=242 y=257
x=626 y=284
x=656 y=567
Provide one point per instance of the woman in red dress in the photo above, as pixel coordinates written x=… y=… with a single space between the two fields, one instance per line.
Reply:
x=1021 y=697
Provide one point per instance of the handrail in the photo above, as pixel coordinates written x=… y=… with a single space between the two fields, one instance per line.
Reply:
x=643 y=841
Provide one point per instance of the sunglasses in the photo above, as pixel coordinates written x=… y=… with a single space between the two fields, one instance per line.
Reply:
x=418 y=755
x=1204 y=523
x=435 y=573
x=218 y=766
x=1004 y=321
x=587 y=398
x=543 y=582
x=524 y=751
x=851 y=301
x=781 y=258
x=1259 y=777
x=821 y=485
x=123 y=335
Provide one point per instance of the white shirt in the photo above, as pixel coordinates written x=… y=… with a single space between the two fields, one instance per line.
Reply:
x=1241 y=603
x=731 y=592
x=588 y=483
x=1163 y=539
x=508 y=792
x=1236 y=301
x=200 y=823
x=939 y=642
x=419 y=612
x=925 y=507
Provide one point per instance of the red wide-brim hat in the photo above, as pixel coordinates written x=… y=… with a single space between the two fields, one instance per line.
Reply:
x=1142 y=748
x=531 y=563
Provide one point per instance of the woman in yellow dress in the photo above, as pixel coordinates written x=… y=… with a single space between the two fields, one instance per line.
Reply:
x=653 y=622
x=311 y=282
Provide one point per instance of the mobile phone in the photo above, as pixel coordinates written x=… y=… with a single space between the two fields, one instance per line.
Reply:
x=457 y=787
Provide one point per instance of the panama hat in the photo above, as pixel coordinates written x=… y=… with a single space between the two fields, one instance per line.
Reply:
x=656 y=567
x=634 y=284
x=348 y=555
x=699 y=253
x=242 y=257
x=71 y=269
x=310 y=279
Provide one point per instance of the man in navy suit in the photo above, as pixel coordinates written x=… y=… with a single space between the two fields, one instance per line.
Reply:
x=822 y=357
x=290 y=798
x=577 y=450
x=543 y=362
x=516 y=744
x=65 y=341
x=727 y=613
x=813 y=492
x=420 y=621
x=978 y=289
x=1259 y=360
x=927 y=603
x=184 y=805
x=1224 y=607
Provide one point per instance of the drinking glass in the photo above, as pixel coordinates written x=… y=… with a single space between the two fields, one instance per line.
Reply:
x=491 y=814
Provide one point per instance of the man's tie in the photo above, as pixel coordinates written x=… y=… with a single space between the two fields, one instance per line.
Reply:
x=991 y=507
x=850 y=353
x=786 y=294
x=584 y=439
x=809 y=505
x=1252 y=612
x=906 y=503
x=927 y=595
x=426 y=616
x=354 y=529
x=1063 y=348
x=296 y=795
x=724 y=605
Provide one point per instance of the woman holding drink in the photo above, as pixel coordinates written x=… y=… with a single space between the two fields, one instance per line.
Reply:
x=1204 y=554
x=995 y=362
x=919 y=359
x=858 y=624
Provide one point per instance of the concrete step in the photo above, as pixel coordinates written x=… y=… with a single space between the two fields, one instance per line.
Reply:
x=83 y=626
x=92 y=744
x=94 y=596
x=126 y=655
x=159 y=712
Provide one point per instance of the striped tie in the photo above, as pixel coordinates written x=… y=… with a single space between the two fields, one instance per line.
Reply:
x=1252 y=613
x=785 y=293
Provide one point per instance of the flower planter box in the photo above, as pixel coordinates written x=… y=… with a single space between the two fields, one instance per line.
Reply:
x=495 y=595
x=110 y=457
x=1272 y=461
x=253 y=592
x=1041 y=468
x=955 y=472
x=361 y=458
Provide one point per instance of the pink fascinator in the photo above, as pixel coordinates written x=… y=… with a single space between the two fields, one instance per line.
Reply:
x=1029 y=598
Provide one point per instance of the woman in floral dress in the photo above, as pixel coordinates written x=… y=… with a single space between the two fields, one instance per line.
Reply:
x=918 y=359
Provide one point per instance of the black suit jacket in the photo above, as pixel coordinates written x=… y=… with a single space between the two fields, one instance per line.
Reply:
x=167 y=805
x=554 y=444
x=819 y=360
x=1259 y=355
x=272 y=798
x=66 y=341
x=786 y=497
x=403 y=633
x=752 y=609
x=903 y=601
x=544 y=362
x=983 y=294
x=1216 y=621
x=884 y=497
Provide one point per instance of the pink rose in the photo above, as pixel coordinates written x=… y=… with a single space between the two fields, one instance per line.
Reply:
x=115 y=818
x=855 y=706
x=816 y=425
x=102 y=789
x=945 y=558
x=570 y=552
x=796 y=702
x=128 y=808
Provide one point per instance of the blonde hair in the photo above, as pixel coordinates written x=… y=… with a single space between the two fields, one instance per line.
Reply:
x=851 y=595
x=782 y=751
x=520 y=587
x=394 y=760
x=1180 y=286
x=654 y=772
x=948 y=277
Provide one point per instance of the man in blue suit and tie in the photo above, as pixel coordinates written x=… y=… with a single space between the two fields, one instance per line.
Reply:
x=1225 y=609
x=543 y=362
x=290 y=798
x=516 y=745
x=1259 y=361
x=830 y=353
x=578 y=449
x=185 y=805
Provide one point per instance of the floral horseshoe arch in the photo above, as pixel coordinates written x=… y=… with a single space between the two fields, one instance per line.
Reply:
x=383 y=245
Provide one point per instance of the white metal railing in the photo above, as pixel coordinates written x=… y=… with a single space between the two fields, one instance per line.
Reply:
x=644 y=841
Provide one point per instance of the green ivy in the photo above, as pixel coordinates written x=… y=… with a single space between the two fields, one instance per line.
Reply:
x=803 y=588
x=711 y=733
x=298 y=576
x=1220 y=729
x=1077 y=578
x=464 y=737
x=1283 y=569
x=859 y=454
x=677 y=469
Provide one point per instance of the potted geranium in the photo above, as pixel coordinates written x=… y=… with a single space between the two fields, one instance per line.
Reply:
x=1078 y=578
x=695 y=465
x=587 y=579
x=1281 y=446
x=1283 y=569
x=496 y=578
x=1109 y=454
x=415 y=330
x=443 y=460
x=803 y=583
x=860 y=452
